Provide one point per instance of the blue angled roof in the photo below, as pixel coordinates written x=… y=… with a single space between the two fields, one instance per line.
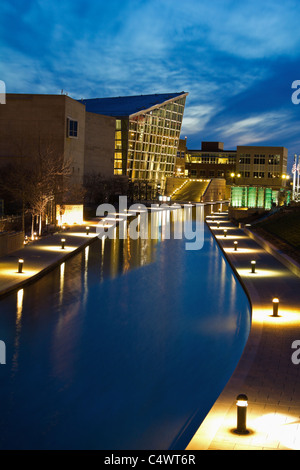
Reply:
x=127 y=105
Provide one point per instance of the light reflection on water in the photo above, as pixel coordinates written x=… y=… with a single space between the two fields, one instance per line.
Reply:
x=121 y=346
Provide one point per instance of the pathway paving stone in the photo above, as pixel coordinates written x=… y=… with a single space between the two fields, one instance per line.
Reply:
x=265 y=372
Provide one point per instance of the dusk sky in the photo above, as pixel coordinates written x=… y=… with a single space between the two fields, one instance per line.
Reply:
x=237 y=60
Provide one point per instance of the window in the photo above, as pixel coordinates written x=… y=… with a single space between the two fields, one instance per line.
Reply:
x=258 y=174
x=245 y=161
x=72 y=128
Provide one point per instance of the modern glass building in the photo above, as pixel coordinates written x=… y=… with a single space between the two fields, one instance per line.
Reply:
x=147 y=135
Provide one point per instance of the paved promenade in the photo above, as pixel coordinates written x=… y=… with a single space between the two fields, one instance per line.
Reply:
x=265 y=373
x=42 y=255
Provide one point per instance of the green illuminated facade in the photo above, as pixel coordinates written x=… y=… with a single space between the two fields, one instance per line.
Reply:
x=252 y=197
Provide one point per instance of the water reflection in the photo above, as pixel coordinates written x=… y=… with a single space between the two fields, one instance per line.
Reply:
x=123 y=344
x=19 y=311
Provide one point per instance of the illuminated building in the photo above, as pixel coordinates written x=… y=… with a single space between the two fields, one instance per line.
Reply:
x=212 y=161
x=146 y=136
x=252 y=197
x=262 y=166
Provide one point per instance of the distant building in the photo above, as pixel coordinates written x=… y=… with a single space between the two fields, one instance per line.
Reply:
x=146 y=136
x=212 y=161
x=262 y=166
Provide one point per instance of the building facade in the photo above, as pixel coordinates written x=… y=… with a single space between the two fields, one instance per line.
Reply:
x=58 y=124
x=211 y=161
x=262 y=166
x=147 y=134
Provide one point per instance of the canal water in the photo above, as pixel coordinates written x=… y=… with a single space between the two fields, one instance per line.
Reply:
x=124 y=347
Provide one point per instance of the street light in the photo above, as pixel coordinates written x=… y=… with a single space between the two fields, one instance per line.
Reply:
x=63 y=241
x=253 y=267
x=235 y=245
x=275 y=302
x=20 y=267
x=242 y=404
x=87 y=230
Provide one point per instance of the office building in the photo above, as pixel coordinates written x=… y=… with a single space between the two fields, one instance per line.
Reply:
x=147 y=134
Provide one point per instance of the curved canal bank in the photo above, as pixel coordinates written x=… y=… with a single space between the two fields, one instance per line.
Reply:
x=124 y=346
x=266 y=372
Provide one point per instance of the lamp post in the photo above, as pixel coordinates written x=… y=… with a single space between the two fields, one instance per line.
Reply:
x=87 y=230
x=225 y=233
x=235 y=245
x=20 y=266
x=63 y=242
x=253 y=267
x=275 y=302
x=242 y=404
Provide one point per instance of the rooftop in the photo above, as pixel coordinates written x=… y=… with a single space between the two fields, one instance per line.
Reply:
x=127 y=105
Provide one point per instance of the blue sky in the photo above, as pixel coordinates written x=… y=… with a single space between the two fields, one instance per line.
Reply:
x=237 y=59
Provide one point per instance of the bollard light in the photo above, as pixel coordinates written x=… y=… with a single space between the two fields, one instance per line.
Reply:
x=242 y=404
x=218 y=224
x=63 y=242
x=235 y=245
x=87 y=230
x=253 y=267
x=20 y=267
x=275 y=302
x=225 y=233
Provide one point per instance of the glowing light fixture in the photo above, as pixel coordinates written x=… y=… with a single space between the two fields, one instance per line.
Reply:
x=20 y=266
x=235 y=245
x=242 y=404
x=275 y=302
x=253 y=266
x=63 y=243
x=225 y=233
x=87 y=230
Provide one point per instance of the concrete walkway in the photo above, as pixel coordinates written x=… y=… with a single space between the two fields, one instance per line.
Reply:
x=41 y=256
x=266 y=372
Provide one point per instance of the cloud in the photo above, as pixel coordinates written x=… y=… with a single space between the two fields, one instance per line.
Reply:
x=266 y=127
x=196 y=117
x=237 y=60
